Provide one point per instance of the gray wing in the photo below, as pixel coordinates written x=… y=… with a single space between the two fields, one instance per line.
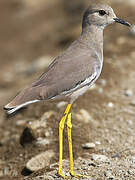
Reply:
x=66 y=72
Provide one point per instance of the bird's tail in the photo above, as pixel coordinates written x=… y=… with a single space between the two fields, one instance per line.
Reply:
x=25 y=97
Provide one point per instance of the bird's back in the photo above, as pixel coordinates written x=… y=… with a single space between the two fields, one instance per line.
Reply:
x=65 y=73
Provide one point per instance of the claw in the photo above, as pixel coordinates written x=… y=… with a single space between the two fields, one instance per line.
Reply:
x=78 y=175
x=61 y=175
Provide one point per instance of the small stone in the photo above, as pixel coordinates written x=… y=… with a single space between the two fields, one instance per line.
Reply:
x=110 y=105
x=128 y=92
x=132 y=159
x=98 y=142
x=47 y=115
x=102 y=82
x=99 y=158
x=61 y=104
x=20 y=122
x=49 y=132
x=132 y=103
x=42 y=141
x=48 y=178
x=100 y=90
x=84 y=116
x=109 y=175
x=42 y=62
x=130 y=122
x=42 y=123
x=131 y=171
x=88 y=145
x=116 y=156
x=40 y=161
x=37 y=124
x=6 y=171
x=83 y=167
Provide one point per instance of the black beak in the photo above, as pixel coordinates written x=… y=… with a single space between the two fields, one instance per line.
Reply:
x=121 y=21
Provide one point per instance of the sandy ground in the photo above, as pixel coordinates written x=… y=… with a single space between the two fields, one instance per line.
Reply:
x=31 y=35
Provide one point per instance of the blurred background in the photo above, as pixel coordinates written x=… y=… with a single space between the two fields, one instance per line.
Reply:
x=32 y=34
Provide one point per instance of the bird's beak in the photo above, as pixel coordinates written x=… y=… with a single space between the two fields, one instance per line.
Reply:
x=121 y=21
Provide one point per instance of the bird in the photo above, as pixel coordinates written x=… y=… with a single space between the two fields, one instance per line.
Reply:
x=72 y=73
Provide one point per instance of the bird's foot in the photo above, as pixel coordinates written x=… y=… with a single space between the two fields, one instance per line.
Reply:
x=61 y=175
x=78 y=175
x=72 y=174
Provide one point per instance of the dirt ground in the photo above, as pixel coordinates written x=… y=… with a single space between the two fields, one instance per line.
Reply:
x=32 y=33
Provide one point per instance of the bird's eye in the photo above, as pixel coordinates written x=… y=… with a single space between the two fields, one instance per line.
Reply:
x=102 y=12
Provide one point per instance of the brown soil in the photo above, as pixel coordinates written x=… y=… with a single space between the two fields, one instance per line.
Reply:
x=32 y=30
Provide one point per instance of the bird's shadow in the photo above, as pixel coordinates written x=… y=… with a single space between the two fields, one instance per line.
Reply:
x=26 y=172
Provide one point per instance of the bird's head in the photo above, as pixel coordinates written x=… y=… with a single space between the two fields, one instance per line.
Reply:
x=101 y=15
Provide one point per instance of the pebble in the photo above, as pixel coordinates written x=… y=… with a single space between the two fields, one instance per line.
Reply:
x=37 y=124
x=42 y=123
x=84 y=116
x=116 y=156
x=99 y=158
x=102 y=82
x=5 y=172
x=20 y=122
x=132 y=159
x=131 y=171
x=42 y=62
x=40 y=161
x=47 y=115
x=98 y=142
x=110 y=105
x=49 y=178
x=42 y=141
x=130 y=122
x=109 y=175
x=128 y=92
x=132 y=103
x=61 y=104
x=49 y=132
x=100 y=90
x=88 y=145
x=8 y=172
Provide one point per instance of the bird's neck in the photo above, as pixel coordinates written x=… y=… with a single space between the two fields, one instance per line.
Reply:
x=92 y=35
x=92 y=38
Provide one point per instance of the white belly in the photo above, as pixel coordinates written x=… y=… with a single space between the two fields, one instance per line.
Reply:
x=78 y=93
x=87 y=84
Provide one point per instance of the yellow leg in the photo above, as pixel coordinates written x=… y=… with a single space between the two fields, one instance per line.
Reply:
x=61 y=127
x=69 y=127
